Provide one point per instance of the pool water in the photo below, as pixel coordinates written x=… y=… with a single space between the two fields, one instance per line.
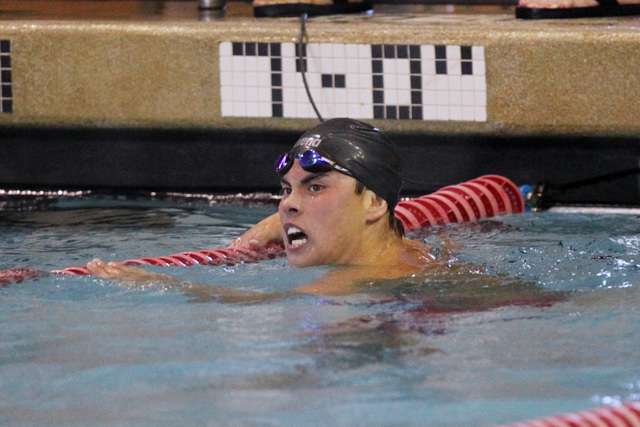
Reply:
x=543 y=318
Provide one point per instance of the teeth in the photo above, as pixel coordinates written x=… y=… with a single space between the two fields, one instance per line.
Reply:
x=293 y=230
x=296 y=236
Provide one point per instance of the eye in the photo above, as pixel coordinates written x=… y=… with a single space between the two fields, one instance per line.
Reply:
x=285 y=191
x=314 y=188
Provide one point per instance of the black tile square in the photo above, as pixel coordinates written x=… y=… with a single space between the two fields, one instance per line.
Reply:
x=415 y=67
x=276 y=95
x=441 y=52
x=378 y=97
x=5 y=46
x=275 y=49
x=376 y=66
x=304 y=65
x=327 y=80
x=6 y=91
x=403 y=112
x=263 y=49
x=238 y=48
x=465 y=52
x=416 y=97
x=416 y=82
x=402 y=51
x=378 y=82
x=414 y=52
x=276 y=64
x=5 y=76
x=441 y=67
x=276 y=110
x=378 y=112
x=376 y=51
x=304 y=50
x=391 y=112
x=467 y=68
x=5 y=61
x=340 y=81
x=250 y=49
x=416 y=113
x=389 y=51
x=7 y=106
x=276 y=80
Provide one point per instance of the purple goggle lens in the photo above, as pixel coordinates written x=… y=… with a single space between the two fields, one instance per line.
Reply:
x=310 y=160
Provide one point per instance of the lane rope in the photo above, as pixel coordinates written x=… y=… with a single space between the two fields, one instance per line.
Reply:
x=483 y=197
x=625 y=415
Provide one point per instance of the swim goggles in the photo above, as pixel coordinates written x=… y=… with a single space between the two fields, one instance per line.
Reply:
x=310 y=160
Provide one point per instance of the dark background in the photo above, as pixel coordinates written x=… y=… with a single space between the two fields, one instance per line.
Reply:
x=227 y=161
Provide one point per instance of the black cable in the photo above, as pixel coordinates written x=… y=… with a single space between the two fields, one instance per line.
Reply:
x=598 y=179
x=301 y=65
x=544 y=192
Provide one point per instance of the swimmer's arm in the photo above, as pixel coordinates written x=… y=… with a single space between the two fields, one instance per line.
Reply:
x=206 y=293
x=200 y=292
x=266 y=231
x=339 y=282
x=127 y=273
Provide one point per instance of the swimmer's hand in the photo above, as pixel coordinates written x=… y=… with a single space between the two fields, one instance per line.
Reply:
x=266 y=231
x=128 y=273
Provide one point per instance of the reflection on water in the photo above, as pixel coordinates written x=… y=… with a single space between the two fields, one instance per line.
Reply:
x=92 y=218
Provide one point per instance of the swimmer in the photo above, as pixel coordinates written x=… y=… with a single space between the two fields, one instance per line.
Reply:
x=340 y=185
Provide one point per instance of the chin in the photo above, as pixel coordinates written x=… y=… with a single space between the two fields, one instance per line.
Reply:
x=299 y=260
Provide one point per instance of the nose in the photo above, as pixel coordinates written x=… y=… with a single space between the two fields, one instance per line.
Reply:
x=290 y=204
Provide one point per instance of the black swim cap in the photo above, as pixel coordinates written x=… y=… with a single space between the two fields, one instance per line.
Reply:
x=370 y=156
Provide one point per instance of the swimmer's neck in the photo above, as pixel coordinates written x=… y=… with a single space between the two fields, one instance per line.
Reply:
x=378 y=250
x=392 y=261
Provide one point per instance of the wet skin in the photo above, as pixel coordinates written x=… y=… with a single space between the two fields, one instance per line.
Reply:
x=325 y=222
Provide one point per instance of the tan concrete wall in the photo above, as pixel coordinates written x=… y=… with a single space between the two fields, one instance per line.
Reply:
x=556 y=77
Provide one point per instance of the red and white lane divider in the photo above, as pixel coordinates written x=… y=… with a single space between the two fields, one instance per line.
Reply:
x=226 y=256
x=626 y=415
x=483 y=197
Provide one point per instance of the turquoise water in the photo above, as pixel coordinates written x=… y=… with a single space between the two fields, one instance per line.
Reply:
x=550 y=326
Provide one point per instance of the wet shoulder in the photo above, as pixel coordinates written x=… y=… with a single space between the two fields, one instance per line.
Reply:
x=418 y=253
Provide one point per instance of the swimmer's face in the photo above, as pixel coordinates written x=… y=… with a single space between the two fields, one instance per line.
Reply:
x=322 y=217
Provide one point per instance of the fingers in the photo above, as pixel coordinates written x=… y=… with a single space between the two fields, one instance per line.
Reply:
x=238 y=242
x=98 y=267
x=251 y=238
x=128 y=273
x=256 y=244
x=258 y=236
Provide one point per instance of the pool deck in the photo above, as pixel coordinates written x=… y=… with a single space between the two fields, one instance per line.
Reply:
x=163 y=64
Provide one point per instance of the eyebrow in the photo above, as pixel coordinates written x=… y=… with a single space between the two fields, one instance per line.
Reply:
x=305 y=180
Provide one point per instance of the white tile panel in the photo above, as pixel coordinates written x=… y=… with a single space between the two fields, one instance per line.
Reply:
x=451 y=84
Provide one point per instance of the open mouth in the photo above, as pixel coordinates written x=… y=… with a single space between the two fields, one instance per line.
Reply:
x=296 y=237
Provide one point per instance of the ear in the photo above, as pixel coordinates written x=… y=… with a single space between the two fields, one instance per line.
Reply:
x=375 y=206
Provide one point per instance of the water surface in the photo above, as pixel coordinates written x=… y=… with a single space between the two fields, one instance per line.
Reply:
x=547 y=321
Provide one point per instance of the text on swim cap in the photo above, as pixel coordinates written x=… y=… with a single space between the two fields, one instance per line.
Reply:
x=309 y=141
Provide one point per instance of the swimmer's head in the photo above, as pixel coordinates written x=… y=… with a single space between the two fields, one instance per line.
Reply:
x=353 y=148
